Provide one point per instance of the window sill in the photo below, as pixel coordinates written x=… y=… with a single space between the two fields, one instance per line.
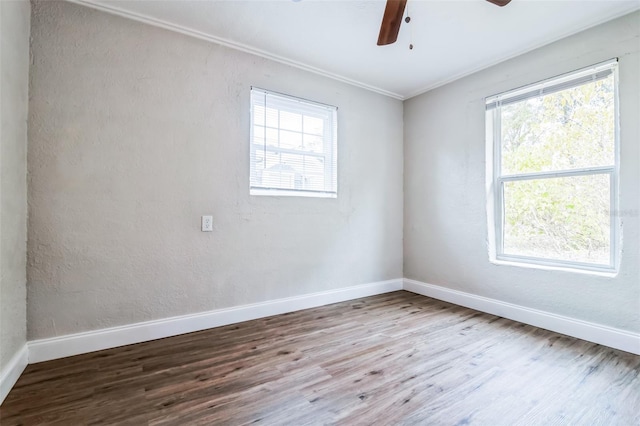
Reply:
x=291 y=193
x=551 y=267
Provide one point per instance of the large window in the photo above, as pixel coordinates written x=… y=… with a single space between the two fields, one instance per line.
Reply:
x=293 y=146
x=553 y=158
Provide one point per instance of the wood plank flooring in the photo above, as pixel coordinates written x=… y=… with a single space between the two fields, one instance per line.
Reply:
x=391 y=359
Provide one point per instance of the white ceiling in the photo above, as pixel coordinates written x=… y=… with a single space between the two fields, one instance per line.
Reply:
x=338 y=37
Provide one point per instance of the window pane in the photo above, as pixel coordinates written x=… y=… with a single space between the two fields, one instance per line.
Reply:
x=295 y=171
x=258 y=115
x=313 y=143
x=279 y=178
x=290 y=121
x=272 y=137
x=285 y=173
x=569 y=129
x=313 y=125
x=314 y=173
x=259 y=158
x=273 y=159
x=258 y=134
x=559 y=218
x=293 y=162
x=313 y=165
x=271 y=117
x=290 y=140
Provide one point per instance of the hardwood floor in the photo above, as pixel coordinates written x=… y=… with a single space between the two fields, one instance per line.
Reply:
x=397 y=358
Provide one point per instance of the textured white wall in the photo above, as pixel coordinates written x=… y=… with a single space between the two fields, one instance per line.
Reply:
x=14 y=84
x=445 y=228
x=135 y=132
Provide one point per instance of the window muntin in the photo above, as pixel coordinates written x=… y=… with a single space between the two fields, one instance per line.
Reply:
x=555 y=170
x=293 y=146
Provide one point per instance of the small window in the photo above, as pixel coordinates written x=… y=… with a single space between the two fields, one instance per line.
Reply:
x=553 y=158
x=293 y=146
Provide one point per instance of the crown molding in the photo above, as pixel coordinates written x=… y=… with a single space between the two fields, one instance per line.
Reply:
x=114 y=10
x=545 y=42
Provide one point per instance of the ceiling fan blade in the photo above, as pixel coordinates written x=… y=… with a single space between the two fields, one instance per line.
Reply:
x=499 y=2
x=391 y=21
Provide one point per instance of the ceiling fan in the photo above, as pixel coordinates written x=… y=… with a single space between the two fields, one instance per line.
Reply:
x=392 y=19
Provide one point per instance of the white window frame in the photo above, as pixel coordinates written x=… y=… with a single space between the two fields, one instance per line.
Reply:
x=328 y=113
x=496 y=180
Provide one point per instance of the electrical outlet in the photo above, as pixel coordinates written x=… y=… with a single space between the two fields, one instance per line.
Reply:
x=207 y=223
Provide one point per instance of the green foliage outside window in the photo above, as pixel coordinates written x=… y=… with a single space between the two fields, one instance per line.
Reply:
x=564 y=218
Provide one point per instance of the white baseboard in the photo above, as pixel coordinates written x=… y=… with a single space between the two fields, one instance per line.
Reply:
x=596 y=333
x=12 y=371
x=75 y=344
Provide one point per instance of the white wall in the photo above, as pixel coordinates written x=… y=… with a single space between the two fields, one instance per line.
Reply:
x=14 y=83
x=445 y=227
x=135 y=132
